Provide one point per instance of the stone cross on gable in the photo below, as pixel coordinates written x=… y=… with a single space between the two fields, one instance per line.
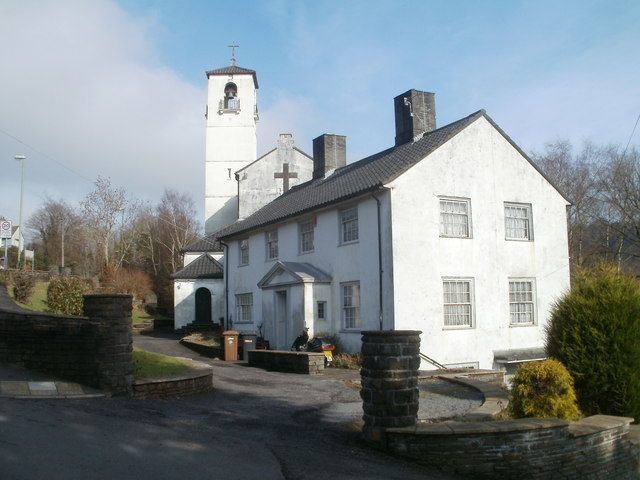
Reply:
x=285 y=175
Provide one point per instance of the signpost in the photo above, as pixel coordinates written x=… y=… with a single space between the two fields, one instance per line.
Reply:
x=5 y=234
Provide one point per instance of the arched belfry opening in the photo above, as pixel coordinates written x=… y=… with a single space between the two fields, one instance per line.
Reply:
x=203 y=306
x=231 y=101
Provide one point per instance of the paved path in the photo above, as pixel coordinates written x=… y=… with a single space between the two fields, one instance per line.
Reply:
x=16 y=382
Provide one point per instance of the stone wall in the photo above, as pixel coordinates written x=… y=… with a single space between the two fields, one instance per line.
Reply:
x=198 y=382
x=596 y=447
x=283 y=361
x=94 y=350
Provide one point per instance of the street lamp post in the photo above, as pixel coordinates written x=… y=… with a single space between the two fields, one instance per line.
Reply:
x=21 y=159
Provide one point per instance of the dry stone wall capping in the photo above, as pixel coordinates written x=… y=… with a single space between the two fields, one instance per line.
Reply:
x=94 y=350
x=594 y=448
x=290 y=362
x=197 y=381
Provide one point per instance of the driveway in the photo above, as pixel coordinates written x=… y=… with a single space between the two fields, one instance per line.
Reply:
x=254 y=425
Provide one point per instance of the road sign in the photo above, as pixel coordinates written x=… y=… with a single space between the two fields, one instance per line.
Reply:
x=5 y=229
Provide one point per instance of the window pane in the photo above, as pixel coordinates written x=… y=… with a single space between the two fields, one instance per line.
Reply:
x=306 y=236
x=517 y=218
x=349 y=225
x=454 y=218
x=521 y=302
x=351 y=305
x=458 y=307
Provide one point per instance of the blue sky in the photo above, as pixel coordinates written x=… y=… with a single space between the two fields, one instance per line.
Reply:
x=118 y=88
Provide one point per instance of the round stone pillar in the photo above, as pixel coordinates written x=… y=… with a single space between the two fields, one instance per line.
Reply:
x=115 y=352
x=390 y=362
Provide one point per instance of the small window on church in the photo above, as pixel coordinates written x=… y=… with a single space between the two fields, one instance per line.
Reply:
x=322 y=310
x=244 y=252
x=231 y=101
x=272 y=244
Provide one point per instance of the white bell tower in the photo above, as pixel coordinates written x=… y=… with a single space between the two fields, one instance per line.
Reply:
x=232 y=113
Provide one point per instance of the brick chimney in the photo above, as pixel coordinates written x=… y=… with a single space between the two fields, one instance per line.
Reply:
x=329 y=153
x=415 y=115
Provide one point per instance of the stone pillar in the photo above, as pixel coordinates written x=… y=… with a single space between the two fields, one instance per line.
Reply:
x=115 y=354
x=389 y=380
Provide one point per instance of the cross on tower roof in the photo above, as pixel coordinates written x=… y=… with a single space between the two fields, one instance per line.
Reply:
x=285 y=175
x=233 y=47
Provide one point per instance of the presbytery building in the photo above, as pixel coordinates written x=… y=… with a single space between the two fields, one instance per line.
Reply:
x=452 y=231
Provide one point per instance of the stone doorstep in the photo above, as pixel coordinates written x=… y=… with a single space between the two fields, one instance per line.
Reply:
x=42 y=388
x=47 y=390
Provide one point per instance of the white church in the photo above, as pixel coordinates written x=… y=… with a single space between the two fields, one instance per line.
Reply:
x=453 y=231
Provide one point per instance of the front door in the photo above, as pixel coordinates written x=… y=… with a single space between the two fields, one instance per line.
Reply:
x=203 y=306
x=281 y=320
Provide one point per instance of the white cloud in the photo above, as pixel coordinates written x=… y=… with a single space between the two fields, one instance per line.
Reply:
x=82 y=83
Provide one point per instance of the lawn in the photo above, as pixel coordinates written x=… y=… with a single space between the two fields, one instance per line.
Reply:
x=151 y=365
x=37 y=300
x=140 y=316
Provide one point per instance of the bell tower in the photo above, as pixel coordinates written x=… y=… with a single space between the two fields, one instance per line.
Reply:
x=232 y=113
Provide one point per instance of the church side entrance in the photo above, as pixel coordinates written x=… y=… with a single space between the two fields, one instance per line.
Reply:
x=203 y=306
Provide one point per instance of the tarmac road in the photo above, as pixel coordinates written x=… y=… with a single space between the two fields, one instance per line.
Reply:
x=254 y=425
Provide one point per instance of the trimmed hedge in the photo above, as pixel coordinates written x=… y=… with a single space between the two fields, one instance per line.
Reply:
x=595 y=332
x=65 y=295
x=23 y=286
x=543 y=389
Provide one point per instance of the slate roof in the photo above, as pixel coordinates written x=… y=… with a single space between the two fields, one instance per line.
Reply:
x=208 y=243
x=234 y=70
x=355 y=179
x=204 y=266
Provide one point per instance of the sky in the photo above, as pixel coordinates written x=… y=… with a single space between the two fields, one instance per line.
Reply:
x=117 y=88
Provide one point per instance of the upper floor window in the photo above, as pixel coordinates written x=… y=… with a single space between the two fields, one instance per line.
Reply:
x=455 y=217
x=231 y=101
x=244 y=251
x=349 y=225
x=458 y=302
x=244 y=308
x=522 y=301
x=271 y=238
x=306 y=231
x=351 y=305
x=517 y=221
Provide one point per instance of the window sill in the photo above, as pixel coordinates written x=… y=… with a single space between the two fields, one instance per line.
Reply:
x=460 y=238
x=459 y=328
x=518 y=239
x=520 y=325
x=271 y=260
x=352 y=242
x=243 y=323
x=351 y=330
x=243 y=265
x=305 y=253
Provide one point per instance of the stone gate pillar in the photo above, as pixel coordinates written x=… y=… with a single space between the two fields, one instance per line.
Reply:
x=115 y=354
x=389 y=380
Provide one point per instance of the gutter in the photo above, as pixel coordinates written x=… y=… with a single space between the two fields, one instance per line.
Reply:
x=226 y=283
x=380 y=271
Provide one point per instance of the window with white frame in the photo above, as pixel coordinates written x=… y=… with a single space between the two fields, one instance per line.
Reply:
x=351 y=305
x=458 y=302
x=244 y=308
x=271 y=238
x=306 y=230
x=244 y=251
x=455 y=217
x=322 y=310
x=522 y=307
x=517 y=221
x=349 y=225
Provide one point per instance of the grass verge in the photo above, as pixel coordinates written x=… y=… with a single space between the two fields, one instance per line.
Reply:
x=149 y=365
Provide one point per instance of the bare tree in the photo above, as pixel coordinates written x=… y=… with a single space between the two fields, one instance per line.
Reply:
x=53 y=223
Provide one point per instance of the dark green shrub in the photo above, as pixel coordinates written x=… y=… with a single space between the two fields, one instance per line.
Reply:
x=5 y=278
x=595 y=332
x=65 y=295
x=543 y=389
x=23 y=286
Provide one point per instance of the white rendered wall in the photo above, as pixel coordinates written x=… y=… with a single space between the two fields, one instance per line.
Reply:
x=257 y=185
x=481 y=165
x=230 y=145
x=184 y=294
x=345 y=263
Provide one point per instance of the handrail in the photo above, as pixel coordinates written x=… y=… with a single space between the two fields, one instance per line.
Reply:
x=432 y=361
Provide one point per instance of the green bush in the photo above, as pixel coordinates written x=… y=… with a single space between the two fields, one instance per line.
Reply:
x=350 y=361
x=64 y=295
x=543 y=389
x=595 y=332
x=23 y=286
